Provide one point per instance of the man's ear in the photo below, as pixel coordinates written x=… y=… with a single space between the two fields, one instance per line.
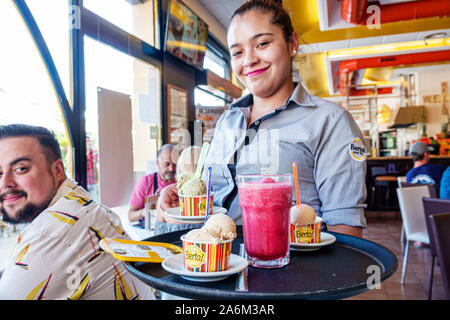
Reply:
x=58 y=169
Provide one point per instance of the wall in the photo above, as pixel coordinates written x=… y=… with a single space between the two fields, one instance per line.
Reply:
x=429 y=83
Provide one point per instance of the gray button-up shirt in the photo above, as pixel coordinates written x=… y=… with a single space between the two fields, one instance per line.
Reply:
x=320 y=136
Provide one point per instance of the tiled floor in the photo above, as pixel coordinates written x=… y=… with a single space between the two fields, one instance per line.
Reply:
x=385 y=231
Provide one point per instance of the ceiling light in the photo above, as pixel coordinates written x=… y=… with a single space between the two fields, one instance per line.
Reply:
x=437 y=35
x=394 y=48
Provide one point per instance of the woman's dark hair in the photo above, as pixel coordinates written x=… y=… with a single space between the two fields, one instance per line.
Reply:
x=279 y=14
x=45 y=137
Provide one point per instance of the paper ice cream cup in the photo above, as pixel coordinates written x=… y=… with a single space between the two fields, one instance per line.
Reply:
x=308 y=233
x=195 y=205
x=205 y=256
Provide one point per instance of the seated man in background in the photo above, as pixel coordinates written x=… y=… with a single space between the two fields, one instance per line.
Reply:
x=423 y=171
x=57 y=255
x=187 y=162
x=153 y=183
x=444 y=190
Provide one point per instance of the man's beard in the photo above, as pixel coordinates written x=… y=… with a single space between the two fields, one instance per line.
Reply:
x=170 y=175
x=27 y=213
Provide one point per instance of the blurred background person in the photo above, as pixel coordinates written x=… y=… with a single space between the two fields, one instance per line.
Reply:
x=424 y=171
x=187 y=162
x=152 y=184
x=91 y=168
x=444 y=187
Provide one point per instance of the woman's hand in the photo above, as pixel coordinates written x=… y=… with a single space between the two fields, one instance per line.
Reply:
x=168 y=199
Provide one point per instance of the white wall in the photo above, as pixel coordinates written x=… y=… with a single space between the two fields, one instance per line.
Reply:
x=429 y=83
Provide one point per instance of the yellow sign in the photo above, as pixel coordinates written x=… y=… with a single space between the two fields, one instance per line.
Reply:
x=202 y=207
x=304 y=234
x=357 y=150
x=194 y=256
x=384 y=114
x=438 y=98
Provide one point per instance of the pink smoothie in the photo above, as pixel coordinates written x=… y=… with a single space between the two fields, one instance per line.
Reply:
x=265 y=216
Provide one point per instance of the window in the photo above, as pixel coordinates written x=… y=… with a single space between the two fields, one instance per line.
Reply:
x=26 y=92
x=111 y=73
x=52 y=18
x=136 y=19
x=216 y=64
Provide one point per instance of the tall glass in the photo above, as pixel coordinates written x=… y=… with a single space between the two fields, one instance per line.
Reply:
x=265 y=202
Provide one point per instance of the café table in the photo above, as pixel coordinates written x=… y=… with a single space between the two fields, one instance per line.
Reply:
x=345 y=268
x=134 y=232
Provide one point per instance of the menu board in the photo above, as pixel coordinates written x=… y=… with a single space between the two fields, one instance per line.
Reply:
x=208 y=116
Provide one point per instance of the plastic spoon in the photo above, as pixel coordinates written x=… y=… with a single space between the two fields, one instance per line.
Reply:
x=208 y=195
x=201 y=161
x=297 y=192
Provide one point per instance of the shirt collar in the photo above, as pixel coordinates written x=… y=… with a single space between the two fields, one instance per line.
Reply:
x=299 y=97
x=67 y=186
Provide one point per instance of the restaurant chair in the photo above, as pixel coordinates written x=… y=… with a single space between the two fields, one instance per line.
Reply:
x=433 y=206
x=383 y=189
x=403 y=184
x=412 y=212
x=440 y=224
x=401 y=179
x=431 y=187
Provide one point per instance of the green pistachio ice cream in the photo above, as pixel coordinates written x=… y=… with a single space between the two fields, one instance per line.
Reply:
x=193 y=187
x=183 y=178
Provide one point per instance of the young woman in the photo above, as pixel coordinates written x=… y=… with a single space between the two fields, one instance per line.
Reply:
x=279 y=123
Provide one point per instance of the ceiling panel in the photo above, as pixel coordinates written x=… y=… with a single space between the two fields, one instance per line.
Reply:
x=305 y=18
x=222 y=9
x=364 y=42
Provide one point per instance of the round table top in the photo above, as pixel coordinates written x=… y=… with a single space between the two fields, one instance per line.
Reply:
x=343 y=269
x=387 y=178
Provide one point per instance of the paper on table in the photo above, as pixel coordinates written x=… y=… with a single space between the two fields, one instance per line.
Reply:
x=139 y=251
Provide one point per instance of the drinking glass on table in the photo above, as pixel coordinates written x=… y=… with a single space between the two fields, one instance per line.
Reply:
x=265 y=202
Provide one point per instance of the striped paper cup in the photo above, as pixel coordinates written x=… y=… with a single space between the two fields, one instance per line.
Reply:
x=308 y=233
x=203 y=256
x=195 y=205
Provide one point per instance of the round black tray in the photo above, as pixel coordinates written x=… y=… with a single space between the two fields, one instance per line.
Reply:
x=340 y=270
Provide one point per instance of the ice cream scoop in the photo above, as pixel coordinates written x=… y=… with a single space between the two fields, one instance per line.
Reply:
x=181 y=179
x=200 y=235
x=219 y=227
x=302 y=215
x=193 y=187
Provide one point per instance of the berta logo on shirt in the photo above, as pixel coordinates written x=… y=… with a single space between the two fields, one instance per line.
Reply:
x=357 y=150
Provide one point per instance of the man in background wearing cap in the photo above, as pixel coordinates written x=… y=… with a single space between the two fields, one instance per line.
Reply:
x=423 y=171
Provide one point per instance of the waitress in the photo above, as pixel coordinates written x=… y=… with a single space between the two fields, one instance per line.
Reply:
x=279 y=123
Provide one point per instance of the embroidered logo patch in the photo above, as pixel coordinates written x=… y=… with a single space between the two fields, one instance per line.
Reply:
x=357 y=150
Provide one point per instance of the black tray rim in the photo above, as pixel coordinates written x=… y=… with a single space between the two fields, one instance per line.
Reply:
x=386 y=258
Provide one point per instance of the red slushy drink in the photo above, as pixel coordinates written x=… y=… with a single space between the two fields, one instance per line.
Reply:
x=265 y=206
